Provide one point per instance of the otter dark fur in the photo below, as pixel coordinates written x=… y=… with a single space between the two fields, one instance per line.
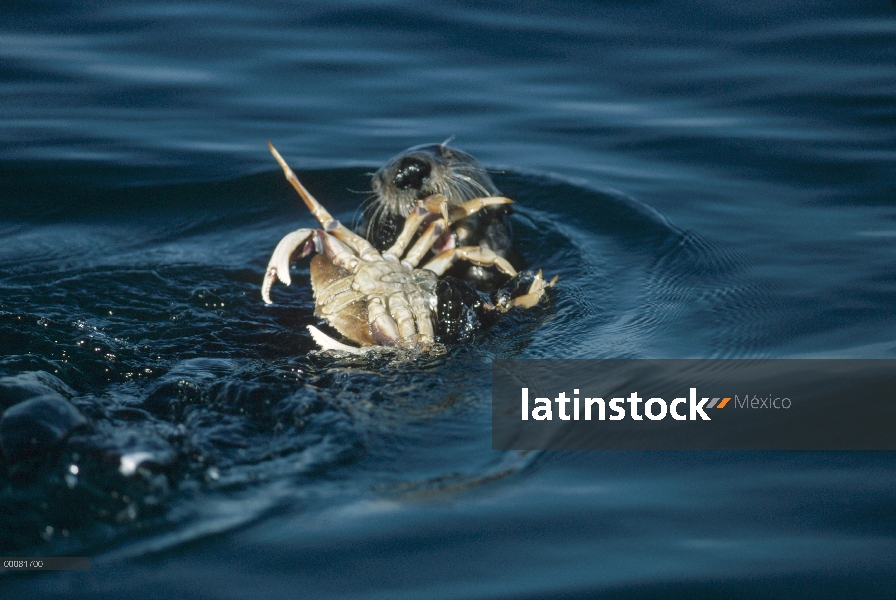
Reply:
x=422 y=171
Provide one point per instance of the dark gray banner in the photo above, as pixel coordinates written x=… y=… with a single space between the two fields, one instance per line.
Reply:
x=631 y=404
x=45 y=563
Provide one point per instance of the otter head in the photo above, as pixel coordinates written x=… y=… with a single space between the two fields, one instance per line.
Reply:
x=415 y=174
x=420 y=172
x=430 y=169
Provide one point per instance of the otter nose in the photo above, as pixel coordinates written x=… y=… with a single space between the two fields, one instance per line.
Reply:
x=411 y=173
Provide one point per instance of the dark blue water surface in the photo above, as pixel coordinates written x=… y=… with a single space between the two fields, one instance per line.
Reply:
x=708 y=179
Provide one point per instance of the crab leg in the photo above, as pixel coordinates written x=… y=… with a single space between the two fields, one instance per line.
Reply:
x=383 y=328
x=418 y=215
x=456 y=213
x=474 y=254
x=361 y=246
x=400 y=309
x=422 y=316
x=320 y=213
x=438 y=204
x=422 y=246
x=338 y=253
x=278 y=266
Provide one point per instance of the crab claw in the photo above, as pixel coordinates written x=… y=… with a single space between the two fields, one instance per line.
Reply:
x=457 y=213
x=278 y=266
x=327 y=343
x=525 y=290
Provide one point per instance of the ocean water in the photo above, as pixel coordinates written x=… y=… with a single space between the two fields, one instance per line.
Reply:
x=708 y=179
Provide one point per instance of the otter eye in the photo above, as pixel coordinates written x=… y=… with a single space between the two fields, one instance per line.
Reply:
x=411 y=173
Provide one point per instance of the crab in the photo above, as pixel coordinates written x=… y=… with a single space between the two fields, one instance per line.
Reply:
x=376 y=299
